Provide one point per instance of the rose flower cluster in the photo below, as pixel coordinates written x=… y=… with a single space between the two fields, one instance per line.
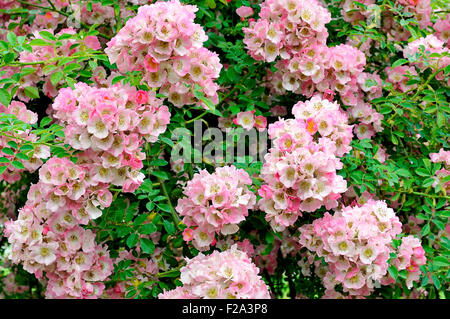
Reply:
x=330 y=71
x=165 y=44
x=46 y=237
x=307 y=65
x=328 y=120
x=215 y=203
x=224 y=275
x=12 y=173
x=356 y=242
x=248 y=120
x=286 y=29
x=431 y=45
x=442 y=29
x=442 y=157
x=399 y=77
x=113 y=122
x=300 y=170
x=410 y=255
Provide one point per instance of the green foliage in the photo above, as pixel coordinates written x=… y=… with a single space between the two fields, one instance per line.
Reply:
x=145 y=222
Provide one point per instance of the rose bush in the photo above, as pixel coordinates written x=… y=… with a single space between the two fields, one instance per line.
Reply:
x=119 y=122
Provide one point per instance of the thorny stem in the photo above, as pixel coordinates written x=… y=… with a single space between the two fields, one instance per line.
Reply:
x=422 y=194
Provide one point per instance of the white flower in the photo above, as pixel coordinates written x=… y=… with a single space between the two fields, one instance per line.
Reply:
x=45 y=253
x=97 y=128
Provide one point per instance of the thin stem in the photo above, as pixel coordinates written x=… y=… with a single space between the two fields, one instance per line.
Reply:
x=426 y=82
x=175 y=216
x=292 y=292
x=421 y=194
x=53 y=8
x=198 y=117
x=44 y=8
x=269 y=280
x=27 y=141
x=169 y=272
x=52 y=5
x=233 y=89
x=50 y=61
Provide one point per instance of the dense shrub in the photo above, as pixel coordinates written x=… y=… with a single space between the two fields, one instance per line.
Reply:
x=224 y=149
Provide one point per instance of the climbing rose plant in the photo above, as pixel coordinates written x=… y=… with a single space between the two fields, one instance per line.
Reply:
x=111 y=111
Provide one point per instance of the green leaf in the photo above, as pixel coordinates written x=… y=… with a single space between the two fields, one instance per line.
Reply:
x=22 y=156
x=164 y=207
x=428 y=182
x=132 y=240
x=170 y=274
x=27 y=71
x=150 y=206
x=117 y=79
x=26 y=147
x=436 y=281
x=167 y=141
x=8 y=151
x=210 y=3
x=403 y=273
x=31 y=92
x=422 y=172
x=403 y=172
x=12 y=38
x=47 y=35
x=13 y=145
x=17 y=165
x=140 y=219
x=269 y=237
x=393 y=272
x=159 y=198
x=169 y=227
x=4 y=45
x=399 y=62
x=130 y=293
x=5 y=98
x=56 y=77
x=439 y=224
x=40 y=42
x=440 y=119
x=148 y=229
x=425 y=230
x=394 y=139
x=267 y=250
x=2 y=169
x=72 y=67
x=45 y=121
x=4 y=160
x=147 y=246
x=49 y=68
x=158 y=162
x=441 y=261
x=160 y=174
